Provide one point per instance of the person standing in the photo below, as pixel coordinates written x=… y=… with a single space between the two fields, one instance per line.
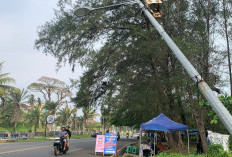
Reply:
x=118 y=136
x=69 y=134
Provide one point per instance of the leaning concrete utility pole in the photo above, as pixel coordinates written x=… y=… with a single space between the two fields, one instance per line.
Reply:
x=215 y=103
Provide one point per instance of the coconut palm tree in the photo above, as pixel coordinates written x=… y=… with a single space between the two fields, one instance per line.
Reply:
x=5 y=80
x=39 y=103
x=17 y=99
x=89 y=113
x=76 y=122
x=34 y=117
x=31 y=100
x=64 y=115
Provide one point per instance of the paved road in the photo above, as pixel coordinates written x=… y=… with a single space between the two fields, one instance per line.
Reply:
x=78 y=148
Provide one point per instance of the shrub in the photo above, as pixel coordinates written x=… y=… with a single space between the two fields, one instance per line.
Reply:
x=216 y=150
x=230 y=142
x=171 y=155
x=177 y=155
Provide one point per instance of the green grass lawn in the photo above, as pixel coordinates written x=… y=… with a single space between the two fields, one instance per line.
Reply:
x=19 y=128
x=6 y=129
x=80 y=136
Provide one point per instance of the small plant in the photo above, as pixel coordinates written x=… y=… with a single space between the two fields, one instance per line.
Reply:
x=216 y=150
x=230 y=143
x=177 y=155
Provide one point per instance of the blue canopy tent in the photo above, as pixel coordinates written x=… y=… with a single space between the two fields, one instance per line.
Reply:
x=163 y=123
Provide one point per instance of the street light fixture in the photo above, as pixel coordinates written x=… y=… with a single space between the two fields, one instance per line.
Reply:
x=82 y=11
x=213 y=100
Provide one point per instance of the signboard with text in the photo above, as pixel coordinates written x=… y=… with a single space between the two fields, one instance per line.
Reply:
x=110 y=143
x=100 y=142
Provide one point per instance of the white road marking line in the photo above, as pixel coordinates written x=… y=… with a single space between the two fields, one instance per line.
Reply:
x=20 y=150
x=75 y=149
x=9 y=146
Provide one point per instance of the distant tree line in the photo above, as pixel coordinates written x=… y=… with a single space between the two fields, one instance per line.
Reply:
x=21 y=110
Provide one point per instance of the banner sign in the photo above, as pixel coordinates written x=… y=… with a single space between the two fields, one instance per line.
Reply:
x=100 y=141
x=110 y=143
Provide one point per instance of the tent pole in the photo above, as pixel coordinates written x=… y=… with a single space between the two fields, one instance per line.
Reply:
x=180 y=145
x=154 y=142
x=188 y=141
x=140 y=154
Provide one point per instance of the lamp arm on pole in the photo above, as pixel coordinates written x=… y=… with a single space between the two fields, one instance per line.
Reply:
x=85 y=10
x=115 y=5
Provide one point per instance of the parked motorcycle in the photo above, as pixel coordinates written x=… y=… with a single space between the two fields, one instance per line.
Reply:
x=59 y=146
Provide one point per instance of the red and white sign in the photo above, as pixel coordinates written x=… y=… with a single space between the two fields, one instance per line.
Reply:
x=100 y=142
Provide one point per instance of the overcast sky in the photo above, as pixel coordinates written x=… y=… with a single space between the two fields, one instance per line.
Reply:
x=19 y=22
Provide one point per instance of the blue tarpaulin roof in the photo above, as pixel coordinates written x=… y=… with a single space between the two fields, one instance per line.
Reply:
x=162 y=123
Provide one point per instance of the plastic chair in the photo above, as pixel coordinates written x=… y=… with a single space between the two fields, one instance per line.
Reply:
x=128 y=149
x=134 y=150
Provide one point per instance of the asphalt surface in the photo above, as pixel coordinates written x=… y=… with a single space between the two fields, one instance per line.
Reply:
x=78 y=148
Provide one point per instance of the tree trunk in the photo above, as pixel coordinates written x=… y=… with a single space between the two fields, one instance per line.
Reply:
x=16 y=116
x=49 y=95
x=163 y=100
x=228 y=44
x=157 y=78
x=201 y=128
x=199 y=121
x=3 y=101
x=171 y=141
x=89 y=129
x=15 y=125
x=45 y=129
x=181 y=111
x=83 y=126
x=208 y=42
x=75 y=125
x=180 y=141
x=104 y=125
x=79 y=129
